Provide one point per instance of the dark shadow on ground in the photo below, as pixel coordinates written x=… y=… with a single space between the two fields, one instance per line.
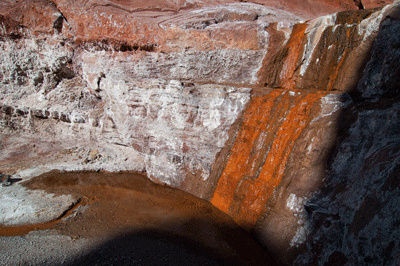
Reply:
x=151 y=247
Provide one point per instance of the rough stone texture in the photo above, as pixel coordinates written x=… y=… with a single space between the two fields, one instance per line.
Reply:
x=375 y=3
x=173 y=124
x=20 y=206
x=286 y=124
x=34 y=248
x=334 y=46
x=311 y=9
x=33 y=65
x=280 y=156
x=351 y=215
x=177 y=128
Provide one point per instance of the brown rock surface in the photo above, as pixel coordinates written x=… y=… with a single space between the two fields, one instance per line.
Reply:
x=40 y=16
x=334 y=46
x=311 y=9
x=375 y=3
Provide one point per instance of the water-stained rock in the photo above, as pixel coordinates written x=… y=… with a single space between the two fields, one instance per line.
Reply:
x=282 y=118
x=325 y=54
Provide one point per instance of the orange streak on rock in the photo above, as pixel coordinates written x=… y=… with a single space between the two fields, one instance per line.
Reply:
x=272 y=172
x=294 y=49
x=241 y=191
x=272 y=123
x=254 y=121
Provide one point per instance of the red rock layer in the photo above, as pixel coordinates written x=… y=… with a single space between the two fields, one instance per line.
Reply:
x=311 y=9
x=140 y=23
x=40 y=16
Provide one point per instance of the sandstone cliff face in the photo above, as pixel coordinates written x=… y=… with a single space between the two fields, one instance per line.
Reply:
x=286 y=124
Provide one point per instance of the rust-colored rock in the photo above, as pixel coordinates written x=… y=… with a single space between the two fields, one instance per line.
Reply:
x=40 y=16
x=334 y=46
x=270 y=128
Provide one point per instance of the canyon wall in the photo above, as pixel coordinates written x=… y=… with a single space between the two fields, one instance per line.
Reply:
x=281 y=114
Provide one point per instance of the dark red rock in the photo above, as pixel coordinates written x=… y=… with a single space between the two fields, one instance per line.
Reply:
x=40 y=16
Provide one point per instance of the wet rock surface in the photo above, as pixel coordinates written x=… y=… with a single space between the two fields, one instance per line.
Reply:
x=281 y=114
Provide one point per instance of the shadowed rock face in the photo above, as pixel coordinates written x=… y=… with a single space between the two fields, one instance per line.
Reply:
x=360 y=210
x=286 y=124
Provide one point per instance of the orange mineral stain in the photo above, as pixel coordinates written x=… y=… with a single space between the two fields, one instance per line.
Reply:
x=255 y=119
x=294 y=52
x=271 y=126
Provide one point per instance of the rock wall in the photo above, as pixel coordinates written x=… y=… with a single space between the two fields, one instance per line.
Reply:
x=171 y=110
x=359 y=200
x=284 y=120
x=284 y=149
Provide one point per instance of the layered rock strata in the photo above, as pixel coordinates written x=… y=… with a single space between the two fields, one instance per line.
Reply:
x=248 y=105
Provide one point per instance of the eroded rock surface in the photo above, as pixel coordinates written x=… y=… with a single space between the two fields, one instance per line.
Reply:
x=176 y=112
x=363 y=210
x=282 y=118
x=20 y=206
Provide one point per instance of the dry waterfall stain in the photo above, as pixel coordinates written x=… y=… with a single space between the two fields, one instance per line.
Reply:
x=253 y=172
